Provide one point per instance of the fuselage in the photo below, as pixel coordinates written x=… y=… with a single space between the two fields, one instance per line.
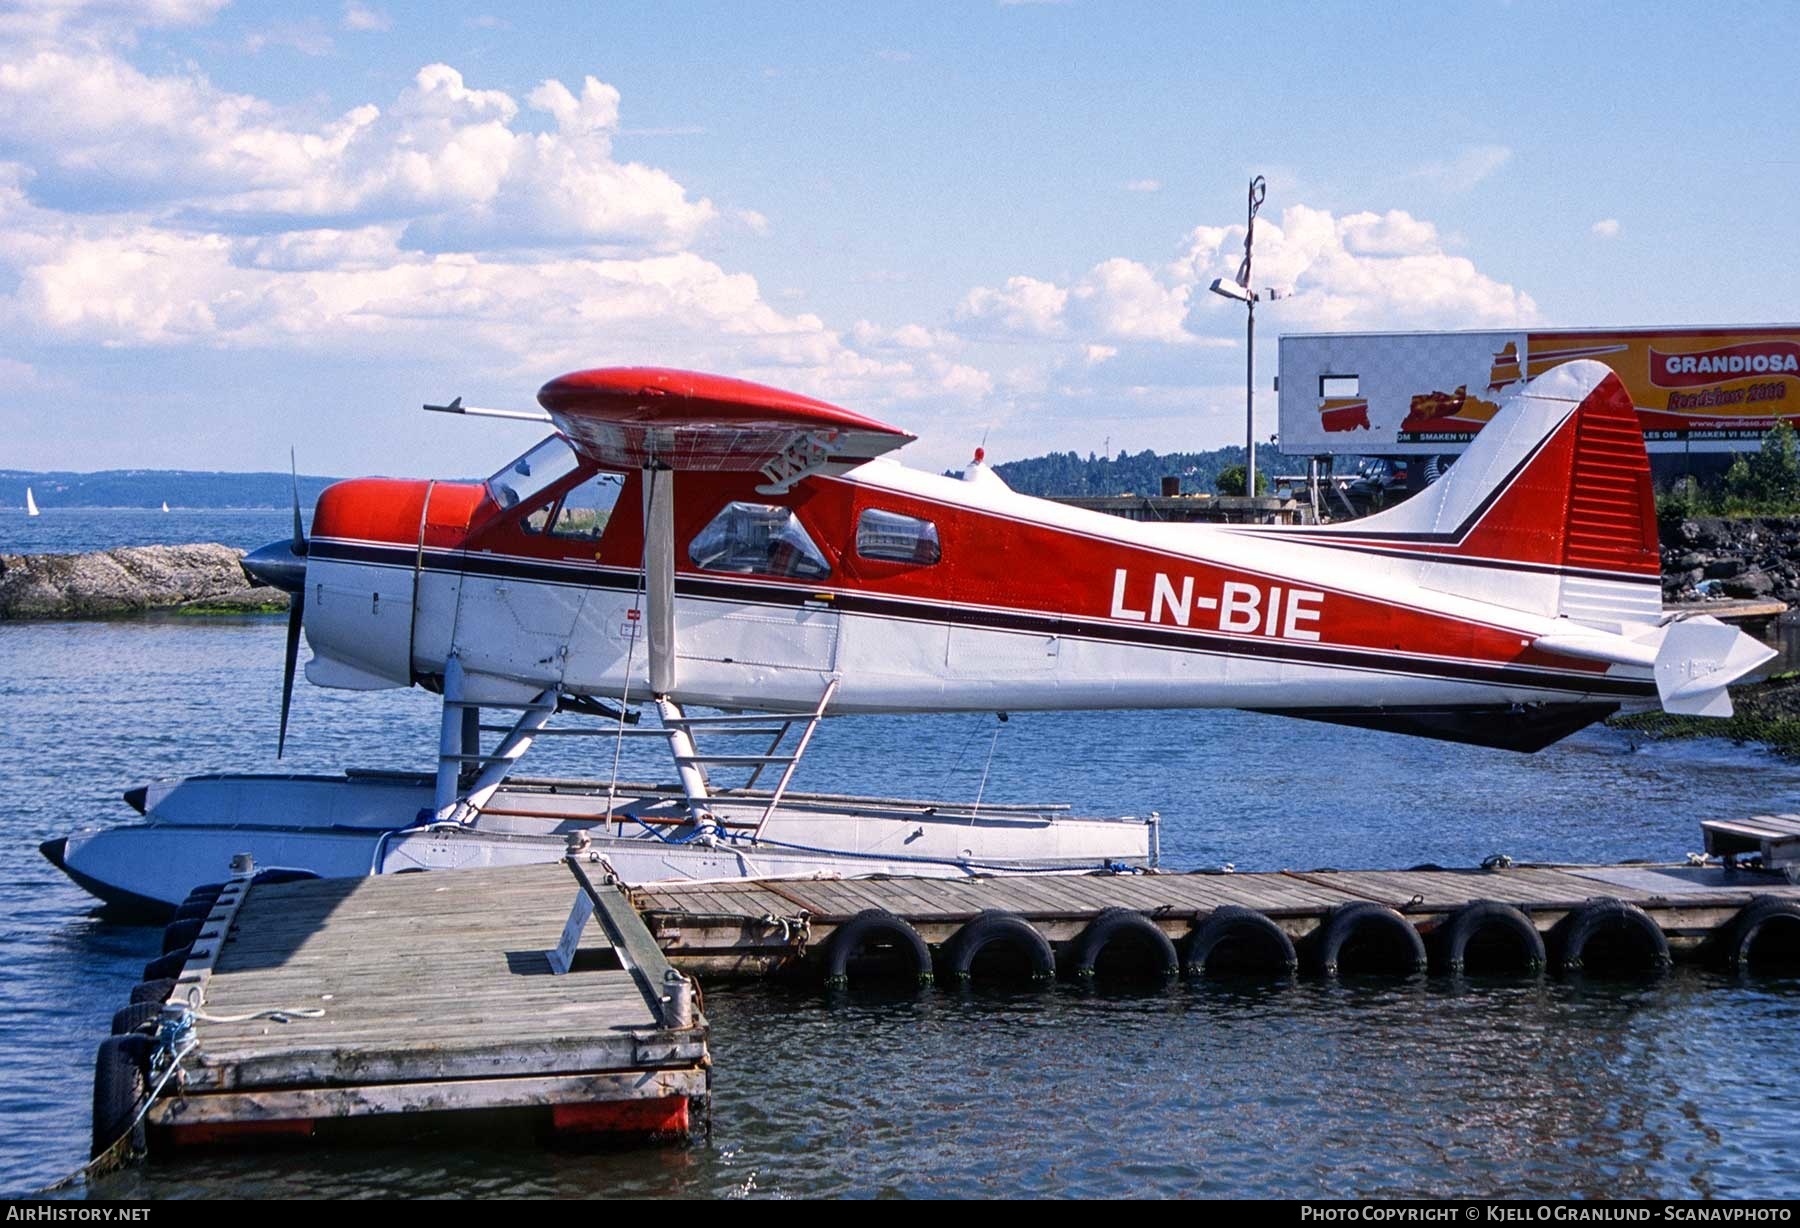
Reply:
x=919 y=592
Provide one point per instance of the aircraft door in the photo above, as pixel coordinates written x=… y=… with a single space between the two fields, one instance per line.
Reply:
x=756 y=626
x=437 y=586
x=517 y=615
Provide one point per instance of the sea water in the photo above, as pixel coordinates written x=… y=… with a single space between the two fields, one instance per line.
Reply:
x=1680 y=1086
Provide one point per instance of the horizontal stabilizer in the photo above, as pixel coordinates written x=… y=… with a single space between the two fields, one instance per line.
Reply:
x=1698 y=659
x=1595 y=645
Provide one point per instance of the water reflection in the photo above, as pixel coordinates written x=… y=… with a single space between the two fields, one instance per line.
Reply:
x=1306 y=1088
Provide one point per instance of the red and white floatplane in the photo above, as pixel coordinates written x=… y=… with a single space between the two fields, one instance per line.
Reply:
x=685 y=541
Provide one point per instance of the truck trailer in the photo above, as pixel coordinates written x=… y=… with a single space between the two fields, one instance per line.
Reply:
x=1697 y=390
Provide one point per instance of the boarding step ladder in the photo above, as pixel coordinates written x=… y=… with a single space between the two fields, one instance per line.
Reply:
x=693 y=763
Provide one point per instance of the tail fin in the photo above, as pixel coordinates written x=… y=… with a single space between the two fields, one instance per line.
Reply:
x=1549 y=510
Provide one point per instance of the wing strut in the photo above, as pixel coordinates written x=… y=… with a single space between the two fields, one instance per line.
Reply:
x=659 y=576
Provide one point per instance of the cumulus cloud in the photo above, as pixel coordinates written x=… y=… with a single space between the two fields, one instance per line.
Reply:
x=458 y=162
x=453 y=223
x=1362 y=270
x=1466 y=169
x=1606 y=228
x=1023 y=305
x=363 y=19
x=1123 y=300
x=100 y=19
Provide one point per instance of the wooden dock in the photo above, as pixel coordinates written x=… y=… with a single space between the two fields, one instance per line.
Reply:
x=310 y=1008
x=756 y=928
x=436 y=997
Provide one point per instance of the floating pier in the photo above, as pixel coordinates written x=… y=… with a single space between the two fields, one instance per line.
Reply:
x=318 y=1006
x=296 y=1009
x=1502 y=917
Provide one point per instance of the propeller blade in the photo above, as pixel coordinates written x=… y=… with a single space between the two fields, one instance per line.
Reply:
x=294 y=473
x=296 y=610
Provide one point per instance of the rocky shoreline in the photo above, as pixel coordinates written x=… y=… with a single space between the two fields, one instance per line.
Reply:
x=198 y=579
x=1755 y=558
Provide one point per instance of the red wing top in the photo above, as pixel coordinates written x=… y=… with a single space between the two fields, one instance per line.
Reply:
x=630 y=417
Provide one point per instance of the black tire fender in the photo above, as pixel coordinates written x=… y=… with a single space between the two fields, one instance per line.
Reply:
x=128 y=1019
x=121 y=1080
x=874 y=924
x=1733 y=941
x=1571 y=937
x=281 y=874
x=997 y=926
x=1122 y=925
x=193 y=910
x=167 y=965
x=1232 y=927
x=1449 y=942
x=155 y=990
x=178 y=934
x=1361 y=920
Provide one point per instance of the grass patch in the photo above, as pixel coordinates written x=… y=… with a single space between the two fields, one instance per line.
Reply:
x=1767 y=712
x=210 y=609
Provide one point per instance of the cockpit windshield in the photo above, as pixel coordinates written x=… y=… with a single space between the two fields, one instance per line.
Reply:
x=533 y=472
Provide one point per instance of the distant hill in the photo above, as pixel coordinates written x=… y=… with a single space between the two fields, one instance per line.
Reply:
x=152 y=487
x=1066 y=473
x=1060 y=473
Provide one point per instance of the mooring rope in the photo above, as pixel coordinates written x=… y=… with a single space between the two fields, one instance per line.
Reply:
x=119 y=1152
x=176 y=1038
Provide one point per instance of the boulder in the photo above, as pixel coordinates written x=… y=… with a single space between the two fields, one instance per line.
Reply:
x=108 y=583
x=1749 y=584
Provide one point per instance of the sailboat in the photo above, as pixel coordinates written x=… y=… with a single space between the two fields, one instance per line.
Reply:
x=165 y=505
x=31 y=507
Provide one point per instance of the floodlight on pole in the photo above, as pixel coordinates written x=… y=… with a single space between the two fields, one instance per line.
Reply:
x=1239 y=291
x=1231 y=290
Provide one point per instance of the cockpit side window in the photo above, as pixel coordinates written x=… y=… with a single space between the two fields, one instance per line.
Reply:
x=894 y=538
x=759 y=539
x=536 y=471
x=585 y=511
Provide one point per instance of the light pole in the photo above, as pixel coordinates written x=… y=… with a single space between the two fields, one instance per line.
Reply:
x=1240 y=290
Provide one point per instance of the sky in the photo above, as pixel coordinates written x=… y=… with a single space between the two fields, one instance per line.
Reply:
x=231 y=227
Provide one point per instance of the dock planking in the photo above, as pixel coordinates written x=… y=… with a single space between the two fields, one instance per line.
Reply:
x=437 y=998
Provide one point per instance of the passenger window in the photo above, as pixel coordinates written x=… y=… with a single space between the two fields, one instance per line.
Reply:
x=586 y=509
x=535 y=522
x=895 y=538
x=758 y=539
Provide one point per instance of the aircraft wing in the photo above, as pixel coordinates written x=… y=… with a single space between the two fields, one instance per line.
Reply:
x=632 y=417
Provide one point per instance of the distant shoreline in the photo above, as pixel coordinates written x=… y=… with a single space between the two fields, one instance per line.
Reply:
x=199 y=580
